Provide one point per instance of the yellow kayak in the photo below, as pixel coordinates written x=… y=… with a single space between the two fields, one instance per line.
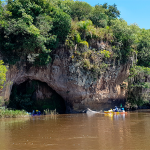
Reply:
x=114 y=112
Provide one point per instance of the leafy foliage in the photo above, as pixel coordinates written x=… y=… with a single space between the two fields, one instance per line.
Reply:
x=124 y=37
x=98 y=16
x=3 y=71
x=106 y=53
x=138 y=88
x=80 y=10
x=34 y=27
x=111 y=11
x=61 y=24
x=6 y=113
x=144 y=48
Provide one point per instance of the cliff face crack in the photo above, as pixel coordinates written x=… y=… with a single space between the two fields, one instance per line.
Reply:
x=35 y=95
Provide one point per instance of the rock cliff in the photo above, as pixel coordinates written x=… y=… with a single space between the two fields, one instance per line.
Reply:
x=76 y=85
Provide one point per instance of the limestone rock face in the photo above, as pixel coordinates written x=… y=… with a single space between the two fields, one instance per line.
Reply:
x=74 y=84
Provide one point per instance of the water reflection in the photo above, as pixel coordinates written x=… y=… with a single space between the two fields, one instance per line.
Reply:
x=116 y=116
x=77 y=131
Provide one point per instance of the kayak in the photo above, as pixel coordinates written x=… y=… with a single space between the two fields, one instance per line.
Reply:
x=91 y=111
x=111 y=112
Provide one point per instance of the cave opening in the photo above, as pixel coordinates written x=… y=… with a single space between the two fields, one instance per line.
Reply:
x=35 y=95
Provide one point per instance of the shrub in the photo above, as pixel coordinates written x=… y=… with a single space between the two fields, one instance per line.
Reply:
x=61 y=24
x=86 y=64
x=77 y=38
x=106 y=53
x=3 y=71
x=98 y=16
x=80 y=10
x=84 y=43
x=6 y=113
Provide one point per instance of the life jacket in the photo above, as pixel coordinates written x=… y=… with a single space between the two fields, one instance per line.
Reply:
x=116 y=109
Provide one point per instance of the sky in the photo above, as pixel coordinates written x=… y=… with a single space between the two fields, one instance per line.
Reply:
x=132 y=11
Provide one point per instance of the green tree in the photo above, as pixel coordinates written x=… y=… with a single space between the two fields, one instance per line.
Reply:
x=63 y=5
x=98 y=16
x=34 y=27
x=124 y=38
x=61 y=24
x=111 y=11
x=3 y=14
x=3 y=71
x=144 y=48
x=80 y=10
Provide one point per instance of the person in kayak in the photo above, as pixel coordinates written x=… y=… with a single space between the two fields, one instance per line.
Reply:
x=116 y=109
x=122 y=109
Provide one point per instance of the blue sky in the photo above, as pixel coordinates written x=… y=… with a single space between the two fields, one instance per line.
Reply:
x=132 y=11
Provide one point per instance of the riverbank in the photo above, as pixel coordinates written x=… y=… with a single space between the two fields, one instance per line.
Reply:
x=5 y=113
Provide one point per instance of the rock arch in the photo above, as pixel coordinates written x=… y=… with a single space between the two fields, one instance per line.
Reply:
x=35 y=95
x=51 y=75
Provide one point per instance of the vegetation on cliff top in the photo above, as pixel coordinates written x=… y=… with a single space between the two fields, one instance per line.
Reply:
x=34 y=28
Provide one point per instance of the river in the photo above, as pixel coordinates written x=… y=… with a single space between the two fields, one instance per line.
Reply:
x=77 y=132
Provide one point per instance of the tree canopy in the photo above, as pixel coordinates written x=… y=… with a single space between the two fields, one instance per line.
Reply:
x=32 y=27
x=35 y=28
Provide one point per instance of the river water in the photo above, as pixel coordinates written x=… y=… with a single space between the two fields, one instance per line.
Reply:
x=77 y=132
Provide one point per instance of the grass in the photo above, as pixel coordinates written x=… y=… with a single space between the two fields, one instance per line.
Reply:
x=6 y=113
x=50 y=112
